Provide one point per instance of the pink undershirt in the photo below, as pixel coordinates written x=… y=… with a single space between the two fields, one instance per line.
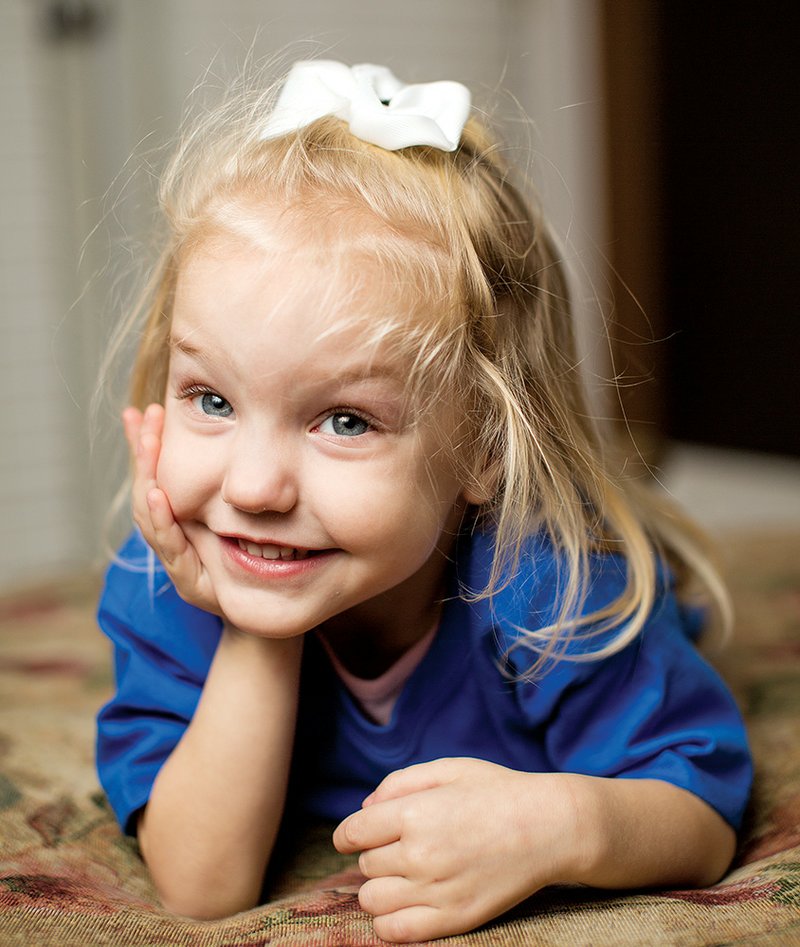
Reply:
x=377 y=696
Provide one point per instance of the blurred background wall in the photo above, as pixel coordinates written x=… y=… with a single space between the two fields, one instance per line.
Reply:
x=639 y=112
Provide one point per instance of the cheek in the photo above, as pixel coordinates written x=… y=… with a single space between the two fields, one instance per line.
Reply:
x=182 y=473
x=395 y=509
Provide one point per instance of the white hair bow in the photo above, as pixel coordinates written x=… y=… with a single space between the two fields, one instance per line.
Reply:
x=376 y=105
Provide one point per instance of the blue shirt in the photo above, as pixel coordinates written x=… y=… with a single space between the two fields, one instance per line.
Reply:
x=654 y=710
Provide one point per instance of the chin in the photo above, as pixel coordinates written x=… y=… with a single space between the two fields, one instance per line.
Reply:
x=260 y=622
x=251 y=625
x=279 y=634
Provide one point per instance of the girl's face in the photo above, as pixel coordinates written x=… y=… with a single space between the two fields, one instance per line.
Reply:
x=289 y=456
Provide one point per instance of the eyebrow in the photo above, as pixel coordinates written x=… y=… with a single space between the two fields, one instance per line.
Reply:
x=181 y=345
x=370 y=372
x=203 y=356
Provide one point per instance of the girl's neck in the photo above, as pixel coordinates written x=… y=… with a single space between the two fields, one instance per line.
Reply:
x=369 y=638
x=368 y=650
x=377 y=696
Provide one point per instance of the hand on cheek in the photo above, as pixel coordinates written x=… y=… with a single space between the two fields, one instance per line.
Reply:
x=448 y=845
x=153 y=515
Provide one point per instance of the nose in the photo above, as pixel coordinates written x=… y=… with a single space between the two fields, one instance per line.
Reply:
x=260 y=475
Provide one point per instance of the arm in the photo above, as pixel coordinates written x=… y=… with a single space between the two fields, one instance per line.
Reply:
x=210 y=825
x=649 y=833
x=448 y=845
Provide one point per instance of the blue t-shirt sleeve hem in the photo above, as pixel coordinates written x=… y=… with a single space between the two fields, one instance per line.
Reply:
x=729 y=805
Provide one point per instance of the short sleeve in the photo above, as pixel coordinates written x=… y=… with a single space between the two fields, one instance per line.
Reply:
x=163 y=649
x=655 y=710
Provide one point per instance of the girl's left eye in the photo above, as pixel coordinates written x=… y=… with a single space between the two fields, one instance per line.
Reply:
x=345 y=425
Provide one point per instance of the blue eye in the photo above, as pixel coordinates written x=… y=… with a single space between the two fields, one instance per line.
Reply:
x=344 y=425
x=213 y=405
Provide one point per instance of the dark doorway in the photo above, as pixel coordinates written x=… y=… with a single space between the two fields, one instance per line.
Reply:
x=719 y=98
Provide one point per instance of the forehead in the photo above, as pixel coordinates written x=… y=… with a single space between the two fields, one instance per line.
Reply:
x=338 y=272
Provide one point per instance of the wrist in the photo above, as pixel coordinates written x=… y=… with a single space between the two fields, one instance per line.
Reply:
x=242 y=647
x=573 y=849
x=587 y=836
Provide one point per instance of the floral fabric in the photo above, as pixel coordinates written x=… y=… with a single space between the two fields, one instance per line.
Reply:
x=69 y=878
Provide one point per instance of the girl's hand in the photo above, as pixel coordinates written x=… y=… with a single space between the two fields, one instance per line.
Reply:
x=448 y=845
x=152 y=512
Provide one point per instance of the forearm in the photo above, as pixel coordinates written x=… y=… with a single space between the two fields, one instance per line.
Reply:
x=647 y=833
x=210 y=824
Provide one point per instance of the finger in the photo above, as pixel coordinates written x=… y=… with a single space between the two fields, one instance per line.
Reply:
x=150 y=432
x=146 y=448
x=169 y=542
x=168 y=538
x=135 y=422
x=427 y=860
x=421 y=776
x=386 y=895
x=419 y=922
x=383 y=861
x=368 y=828
x=153 y=418
x=131 y=423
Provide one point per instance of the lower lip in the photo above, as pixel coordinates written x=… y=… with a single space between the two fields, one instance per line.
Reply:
x=268 y=569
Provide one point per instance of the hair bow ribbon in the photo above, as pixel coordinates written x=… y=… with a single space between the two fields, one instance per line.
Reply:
x=376 y=105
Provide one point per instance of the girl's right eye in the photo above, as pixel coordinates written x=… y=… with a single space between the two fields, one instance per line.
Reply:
x=212 y=404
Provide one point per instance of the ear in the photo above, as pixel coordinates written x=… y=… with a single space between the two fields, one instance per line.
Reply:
x=481 y=488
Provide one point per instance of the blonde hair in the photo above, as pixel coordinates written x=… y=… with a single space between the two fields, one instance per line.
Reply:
x=498 y=340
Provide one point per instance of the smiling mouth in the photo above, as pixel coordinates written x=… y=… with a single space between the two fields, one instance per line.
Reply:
x=274 y=552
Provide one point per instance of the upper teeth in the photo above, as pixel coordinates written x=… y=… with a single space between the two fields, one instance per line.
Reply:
x=272 y=552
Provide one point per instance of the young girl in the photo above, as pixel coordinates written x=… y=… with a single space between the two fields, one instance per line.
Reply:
x=395 y=582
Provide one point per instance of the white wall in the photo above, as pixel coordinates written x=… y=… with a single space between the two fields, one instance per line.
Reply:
x=556 y=66
x=43 y=497
x=74 y=113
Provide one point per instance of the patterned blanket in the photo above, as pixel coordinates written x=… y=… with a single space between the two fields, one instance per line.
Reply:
x=69 y=878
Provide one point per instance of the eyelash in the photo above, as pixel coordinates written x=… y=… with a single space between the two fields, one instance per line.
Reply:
x=187 y=392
